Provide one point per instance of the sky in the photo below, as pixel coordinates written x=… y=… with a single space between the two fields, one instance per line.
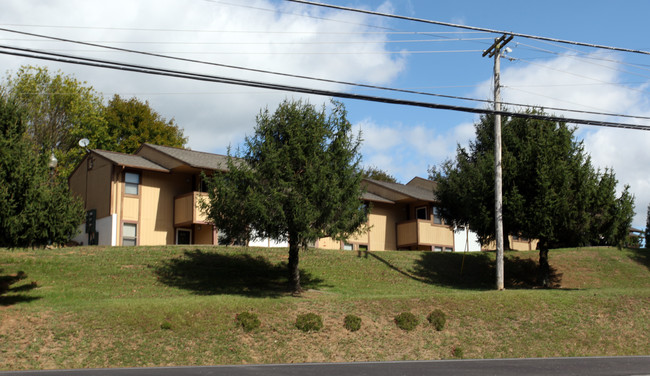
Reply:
x=343 y=46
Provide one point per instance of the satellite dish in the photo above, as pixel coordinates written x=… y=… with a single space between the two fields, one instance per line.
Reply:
x=83 y=142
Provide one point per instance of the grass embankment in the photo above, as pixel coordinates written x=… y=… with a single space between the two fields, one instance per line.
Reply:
x=159 y=306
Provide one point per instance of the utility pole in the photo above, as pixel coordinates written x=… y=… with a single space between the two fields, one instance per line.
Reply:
x=495 y=51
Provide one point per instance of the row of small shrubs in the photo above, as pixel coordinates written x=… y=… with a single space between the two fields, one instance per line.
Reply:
x=311 y=322
x=408 y=321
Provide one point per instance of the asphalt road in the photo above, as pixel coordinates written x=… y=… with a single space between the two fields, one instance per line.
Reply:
x=597 y=366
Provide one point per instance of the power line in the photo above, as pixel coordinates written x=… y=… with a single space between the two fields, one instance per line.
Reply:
x=328 y=93
x=295 y=75
x=494 y=31
x=323 y=32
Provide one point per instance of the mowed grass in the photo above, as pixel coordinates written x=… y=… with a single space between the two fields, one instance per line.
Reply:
x=92 y=307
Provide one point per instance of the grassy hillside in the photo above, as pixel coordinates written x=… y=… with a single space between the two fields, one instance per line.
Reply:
x=104 y=307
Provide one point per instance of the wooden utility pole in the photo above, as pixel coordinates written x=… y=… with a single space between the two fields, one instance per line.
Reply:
x=495 y=51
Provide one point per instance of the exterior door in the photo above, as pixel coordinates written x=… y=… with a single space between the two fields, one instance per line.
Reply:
x=183 y=236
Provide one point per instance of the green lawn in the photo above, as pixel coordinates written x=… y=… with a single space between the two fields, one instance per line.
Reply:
x=104 y=307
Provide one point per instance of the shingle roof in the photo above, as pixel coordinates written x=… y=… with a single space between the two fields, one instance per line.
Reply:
x=197 y=159
x=408 y=190
x=367 y=196
x=129 y=160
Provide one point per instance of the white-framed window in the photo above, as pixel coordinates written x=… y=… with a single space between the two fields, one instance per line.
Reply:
x=348 y=247
x=447 y=249
x=129 y=234
x=131 y=183
x=421 y=212
x=183 y=236
x=437 y=249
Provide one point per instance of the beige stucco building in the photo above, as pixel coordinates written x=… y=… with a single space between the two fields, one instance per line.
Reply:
x=148 y=198
x=152 y=197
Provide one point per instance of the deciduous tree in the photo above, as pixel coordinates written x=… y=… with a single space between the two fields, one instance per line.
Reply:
x=296 y=179
x=132 y=122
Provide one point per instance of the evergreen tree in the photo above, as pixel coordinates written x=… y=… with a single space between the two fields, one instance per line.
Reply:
x=297 y=180
x=551 y=192
x=35 y=209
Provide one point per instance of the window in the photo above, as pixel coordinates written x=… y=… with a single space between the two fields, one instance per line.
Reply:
x=183 y=236
x=347 y=247
x=437 y=219
x=131 y=183
x=363 y=247
x=421 y=212
x=447 y=249
x=437 y=249
x=129 y=234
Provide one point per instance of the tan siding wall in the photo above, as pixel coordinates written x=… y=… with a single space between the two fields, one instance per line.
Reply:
x=361 y=237
x=328 y=243
x=435 y=235
x=183 y=209
x=200 y=215
x=383 y=221
x=406 y=233
x=157 y=218
x=131 y=209
x=204 y=235
x=97 y=194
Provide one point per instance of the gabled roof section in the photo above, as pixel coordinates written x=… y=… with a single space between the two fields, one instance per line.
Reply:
x=367 y=196
x=423 y=183
x=400 y=191
x=129 y=160
x=196 y=159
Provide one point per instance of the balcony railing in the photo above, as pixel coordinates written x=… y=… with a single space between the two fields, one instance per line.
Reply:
x=187 y=209
x=420 y=232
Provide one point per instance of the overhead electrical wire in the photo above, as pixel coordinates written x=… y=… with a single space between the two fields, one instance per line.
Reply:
x=494 y=31
x=406 y=91
x=264 y=85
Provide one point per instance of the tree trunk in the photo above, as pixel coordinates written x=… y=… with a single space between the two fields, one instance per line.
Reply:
x=294 y=273
x=544 y=267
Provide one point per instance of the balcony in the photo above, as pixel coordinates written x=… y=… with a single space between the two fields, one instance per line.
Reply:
x=421 y=232
x=187 y=209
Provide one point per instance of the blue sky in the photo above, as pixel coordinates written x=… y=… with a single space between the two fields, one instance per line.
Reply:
x=286 y=37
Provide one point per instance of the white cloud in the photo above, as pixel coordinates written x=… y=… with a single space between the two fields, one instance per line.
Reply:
x=262 y=34
x=406 y=150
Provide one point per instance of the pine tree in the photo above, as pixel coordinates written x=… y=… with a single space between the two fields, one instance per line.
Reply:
x=35 y=208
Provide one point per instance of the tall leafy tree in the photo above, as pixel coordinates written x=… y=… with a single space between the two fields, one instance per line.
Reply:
x=132 y=122
x=296 y=179
x=551 y=191
x=60 y=110
x=35 y=209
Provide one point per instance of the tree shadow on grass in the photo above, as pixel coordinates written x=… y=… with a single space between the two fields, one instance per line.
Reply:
x=477 y=271
x=12 y=295
x=641 y=255
x=206 y=273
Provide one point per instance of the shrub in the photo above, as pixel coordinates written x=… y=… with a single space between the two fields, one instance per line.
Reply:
x=247 y=320
x=352 y=323
x=309 y=322
x=166 y=325
x=437 y=318
x=406 y=321
x=457 y=352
